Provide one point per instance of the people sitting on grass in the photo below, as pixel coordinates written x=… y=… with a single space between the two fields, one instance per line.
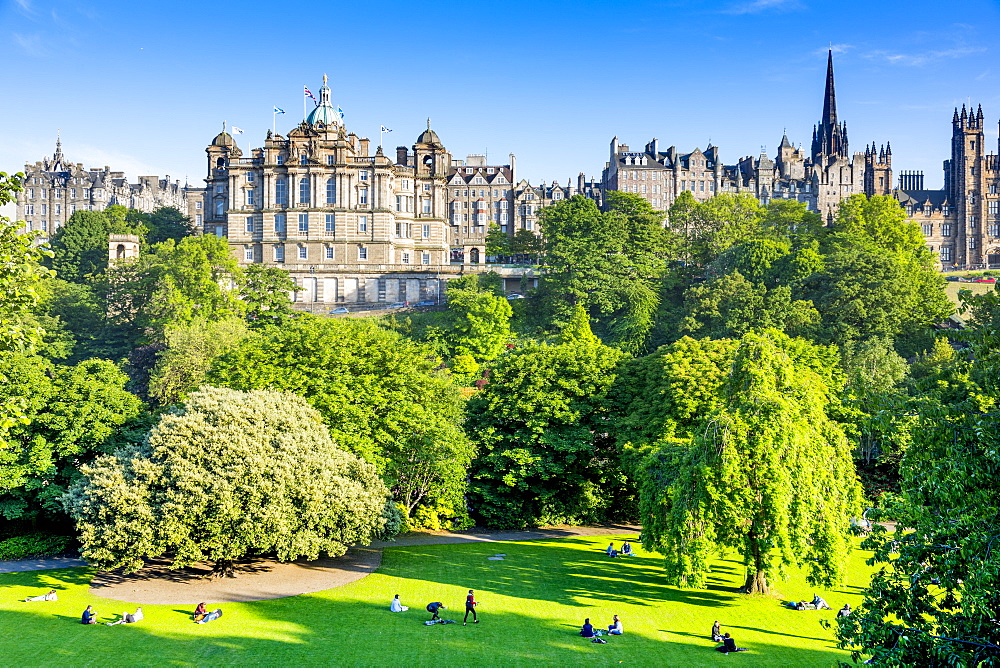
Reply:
x=611 y=551
x=211 y=617
x=588 y=629
x=396 y=606
x=200 y=612
x=615 y=628
x=716 y=632
x=89 y=616
x=434 y=607
x=129 y=618
x=50 y=595
x=729 y=645
x=820 y=603
x=626 y=549
x=845 y=611
x=816 y=604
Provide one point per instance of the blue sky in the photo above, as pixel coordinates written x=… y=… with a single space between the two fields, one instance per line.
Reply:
x=144 y=86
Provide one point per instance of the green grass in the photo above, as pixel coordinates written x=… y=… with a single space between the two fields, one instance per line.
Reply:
x=532 y=605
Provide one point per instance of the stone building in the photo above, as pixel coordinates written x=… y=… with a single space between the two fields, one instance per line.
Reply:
x=349 y=226
x=961 y=222
x=821 y=179
x=54 y=188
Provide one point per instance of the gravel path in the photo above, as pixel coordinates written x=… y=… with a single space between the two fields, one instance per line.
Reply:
x=262 y=579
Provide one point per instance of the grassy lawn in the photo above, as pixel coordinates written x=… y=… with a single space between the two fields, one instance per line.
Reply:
x=532 y=605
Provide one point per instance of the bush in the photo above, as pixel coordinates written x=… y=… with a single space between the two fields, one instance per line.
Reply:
x=34 y=545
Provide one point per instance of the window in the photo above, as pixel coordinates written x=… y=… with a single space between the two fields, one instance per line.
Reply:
x=994 y=230
x=363 y=175
x=197 y=218
x=427 y=187
x=249 y=224
x=425 y=258
x=362 y=253
x=406 y=185
x=362 y=223
x=363 y=196
x=329 y=159
x=946 y=253
x=304 y=223
x=994 y=207
x=303 y=160
x=701 y=186
x=281 y=191
x=972 y=243
x=945 y=229
x=218 y=189
x=31 y=193
x=304 y=191
x=281 y=159
x=331 y=224
x=303 y=253
x=399 y=202
x=45 y=209
x=331 y=191
x=928 y=229
x=197 y=205
x=250 y=197
x=426 y=232
x=279 y=223
x=404 y=257
x=248 y=253
x=458 y=193
x=328 y=252
x=279 y=253
x=220 y=208
x=426 y=208
x=72 y=193
x=220 y=231
x=29 y=209
x=251 y=177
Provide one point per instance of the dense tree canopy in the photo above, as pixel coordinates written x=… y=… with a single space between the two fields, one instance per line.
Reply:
x=231 y=475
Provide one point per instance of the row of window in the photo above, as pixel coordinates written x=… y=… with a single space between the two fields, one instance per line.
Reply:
x=302 y=253
x=58 y=193
x=497 y=192
x=403 y=230
x=947 y=229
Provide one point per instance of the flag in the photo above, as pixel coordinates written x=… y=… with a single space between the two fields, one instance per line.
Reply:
x=385 y=129
x=341 y=112
x=237 y=130
x=279 y=110
x=308 y=93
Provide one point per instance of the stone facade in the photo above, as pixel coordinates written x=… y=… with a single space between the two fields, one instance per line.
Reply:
x=961 y=223
x=54 y=188
x=820 y=180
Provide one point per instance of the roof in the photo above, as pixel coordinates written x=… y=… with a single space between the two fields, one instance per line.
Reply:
x=936 y=198
x=223 y=139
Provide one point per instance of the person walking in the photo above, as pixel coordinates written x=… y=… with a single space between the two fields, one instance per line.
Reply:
x=470 y=606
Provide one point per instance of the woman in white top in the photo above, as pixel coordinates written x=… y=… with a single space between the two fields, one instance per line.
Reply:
x=396 y=606
x=616 y=627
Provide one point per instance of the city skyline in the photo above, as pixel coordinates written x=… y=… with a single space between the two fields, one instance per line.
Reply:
x=145 y=101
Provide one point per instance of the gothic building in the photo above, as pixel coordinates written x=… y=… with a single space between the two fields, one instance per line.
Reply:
x=54 y=188
x=961 y=222
x=821 y=180
x=349 y=226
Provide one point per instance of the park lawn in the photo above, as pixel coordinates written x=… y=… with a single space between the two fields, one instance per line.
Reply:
x=532 y=605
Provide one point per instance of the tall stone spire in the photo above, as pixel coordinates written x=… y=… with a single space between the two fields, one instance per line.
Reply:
x=831 y=137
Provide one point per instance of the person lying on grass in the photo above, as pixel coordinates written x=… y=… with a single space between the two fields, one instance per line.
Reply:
x=129 y=618
x=48 y=596
x=211 y=617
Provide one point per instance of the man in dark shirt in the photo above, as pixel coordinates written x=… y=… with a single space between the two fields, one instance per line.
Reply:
x=470 y=606
x=433 y=609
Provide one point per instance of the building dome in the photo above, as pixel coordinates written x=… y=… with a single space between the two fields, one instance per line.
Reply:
x=223 y=139
x=428 y=136
x=324 y=113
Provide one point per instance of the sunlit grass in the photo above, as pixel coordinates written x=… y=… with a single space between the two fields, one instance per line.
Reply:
x=532 y=604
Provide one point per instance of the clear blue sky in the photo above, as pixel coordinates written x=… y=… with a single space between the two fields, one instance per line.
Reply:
x=144 y=86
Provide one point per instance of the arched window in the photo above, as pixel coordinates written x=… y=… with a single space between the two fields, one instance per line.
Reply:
x=474 y=256
x=281 y=191
x=331 y=191
x=120 y=251
x=304 y=190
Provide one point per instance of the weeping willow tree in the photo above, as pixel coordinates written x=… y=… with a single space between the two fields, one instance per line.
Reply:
x=768 y=474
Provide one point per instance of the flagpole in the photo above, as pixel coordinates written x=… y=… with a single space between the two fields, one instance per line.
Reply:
x=274 y=120
x=303 y=102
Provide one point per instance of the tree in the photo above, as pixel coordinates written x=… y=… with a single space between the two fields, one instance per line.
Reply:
x=497 y=241
x=540 y=424
x=379 y=394
x=80 y=247
x=768 y=474
x=168 y=222
x=265 y=291
x=230 y=476
x=71 y=414
x=480 y=319
x=191 y=348
x=718 y=223
x=525 y=242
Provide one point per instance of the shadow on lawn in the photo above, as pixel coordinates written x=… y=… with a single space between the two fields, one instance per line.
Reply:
x=566 y=575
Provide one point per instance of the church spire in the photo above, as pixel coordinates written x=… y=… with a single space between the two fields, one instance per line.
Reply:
x=831 y=136
x=830 y=96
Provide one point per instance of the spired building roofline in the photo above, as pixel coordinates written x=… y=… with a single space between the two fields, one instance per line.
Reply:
x=829 y=136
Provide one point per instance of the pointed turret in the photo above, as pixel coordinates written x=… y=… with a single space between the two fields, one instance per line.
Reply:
x=830 y=96
x=830 y=138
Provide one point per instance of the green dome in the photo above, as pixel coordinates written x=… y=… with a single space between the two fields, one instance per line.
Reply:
x=325 y=112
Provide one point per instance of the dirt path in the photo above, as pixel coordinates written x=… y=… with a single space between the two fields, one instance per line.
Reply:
x=261 y=580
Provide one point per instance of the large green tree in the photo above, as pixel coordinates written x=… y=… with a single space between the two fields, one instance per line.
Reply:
x=230 y=476
x=768 y=474
x=541 y=430
x=379 y=394
x=479 y=319
x=80 y=247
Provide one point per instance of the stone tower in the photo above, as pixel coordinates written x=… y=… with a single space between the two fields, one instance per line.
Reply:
x=122 y=247
x=878 y=170
x=966 y=183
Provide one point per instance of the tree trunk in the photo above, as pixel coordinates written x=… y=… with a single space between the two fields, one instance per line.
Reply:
x=225 y=568
x=756 y=582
